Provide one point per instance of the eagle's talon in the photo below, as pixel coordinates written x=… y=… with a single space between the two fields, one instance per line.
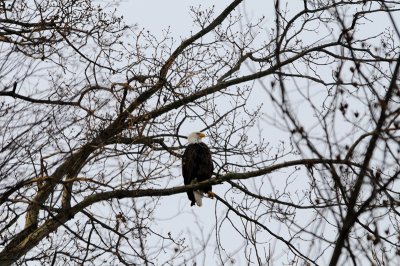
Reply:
x=211 y=194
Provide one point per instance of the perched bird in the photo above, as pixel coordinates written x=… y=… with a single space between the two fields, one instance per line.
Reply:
x=197 y=166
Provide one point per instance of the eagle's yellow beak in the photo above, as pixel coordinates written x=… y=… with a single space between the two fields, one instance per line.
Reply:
x=201 y=135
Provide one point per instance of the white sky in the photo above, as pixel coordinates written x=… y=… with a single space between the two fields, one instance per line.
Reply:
x=174 y=212
x=155 y=16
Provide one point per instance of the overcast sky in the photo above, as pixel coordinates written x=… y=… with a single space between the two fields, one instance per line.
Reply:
x=155 y=15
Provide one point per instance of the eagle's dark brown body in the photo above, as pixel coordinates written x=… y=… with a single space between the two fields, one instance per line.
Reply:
x=197 y=164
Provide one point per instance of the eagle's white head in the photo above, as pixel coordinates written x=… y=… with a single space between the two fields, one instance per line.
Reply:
x=195 y=137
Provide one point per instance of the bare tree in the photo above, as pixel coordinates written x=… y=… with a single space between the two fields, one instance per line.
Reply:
x=301 y=111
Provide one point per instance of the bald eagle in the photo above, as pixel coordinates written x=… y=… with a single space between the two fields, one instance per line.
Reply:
x=197 y=166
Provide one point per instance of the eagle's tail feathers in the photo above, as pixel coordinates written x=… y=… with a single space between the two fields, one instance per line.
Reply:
x=198 y=197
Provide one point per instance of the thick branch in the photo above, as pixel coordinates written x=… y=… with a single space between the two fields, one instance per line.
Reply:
x=352 y=214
